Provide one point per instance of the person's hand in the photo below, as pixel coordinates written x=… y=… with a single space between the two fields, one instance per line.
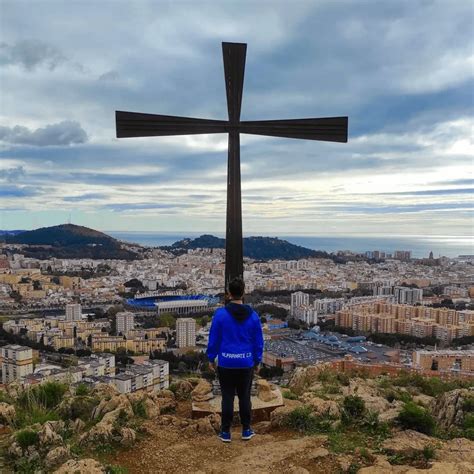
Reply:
x=256 y=368
x=212 y=367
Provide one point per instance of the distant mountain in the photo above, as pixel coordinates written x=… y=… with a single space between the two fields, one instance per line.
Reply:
x=70 y=241
x=258 y=248
x=10 y=232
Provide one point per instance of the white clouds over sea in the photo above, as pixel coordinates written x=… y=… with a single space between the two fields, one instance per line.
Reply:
x=402 y=71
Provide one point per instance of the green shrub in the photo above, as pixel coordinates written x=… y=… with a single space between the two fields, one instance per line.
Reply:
x=468 y=405
x=428 y=453
x=47 y=395
x=116 y=470
x=416 y=418
x=290 y=395
x=139 y=409
x=82 y=390
x=81 y=407
x=26 y=438
x=354 y=406
x=303 y=420
x=432 y=386
x=35 y=414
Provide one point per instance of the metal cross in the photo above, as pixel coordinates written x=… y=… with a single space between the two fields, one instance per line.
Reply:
x=131 y=124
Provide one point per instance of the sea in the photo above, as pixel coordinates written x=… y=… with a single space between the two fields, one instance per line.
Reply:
x=420 y=245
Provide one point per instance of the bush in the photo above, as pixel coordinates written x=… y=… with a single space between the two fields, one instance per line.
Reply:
x=288 y=394
x=468 y=405
x=47 y=395
x=139 y=409
x=81 y=407
x=414 y=417
x=303 y=420
x=26 y=438
x=432 y=386
x=354 y=406
x=82 y=389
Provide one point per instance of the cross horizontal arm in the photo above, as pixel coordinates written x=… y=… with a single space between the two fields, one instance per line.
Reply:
x=330 y=129
x=132 y=124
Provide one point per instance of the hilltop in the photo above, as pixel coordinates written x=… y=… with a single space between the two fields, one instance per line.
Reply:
x=70 y=241
x=258 y=248
x=330 y=423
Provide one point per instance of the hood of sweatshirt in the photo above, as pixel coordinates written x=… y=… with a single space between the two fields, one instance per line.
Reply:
x=239 y=311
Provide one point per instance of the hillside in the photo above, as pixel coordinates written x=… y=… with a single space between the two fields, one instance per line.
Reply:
x=70 y=241
x=329 y=423
x=258 y=248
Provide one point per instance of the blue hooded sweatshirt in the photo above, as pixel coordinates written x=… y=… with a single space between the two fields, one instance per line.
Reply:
x=236 y=337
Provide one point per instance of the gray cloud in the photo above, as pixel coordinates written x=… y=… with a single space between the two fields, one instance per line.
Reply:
x=12 y=174
x=31 y=54
x=67 y=132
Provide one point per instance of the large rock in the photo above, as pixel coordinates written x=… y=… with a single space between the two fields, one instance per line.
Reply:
x=79 y=407
x=304 y=377
x=7 y=413
x=392 y=413
x=127 y=436
x=166 y=400
x=368 y=391
x=321 y=407
x=183 y=389
x=409 y=442
x=424 y=400
x=152 y=408
x=116 y=402
x=277 y=416
x=105 y=390
x=81 y=466
x=265 y=391
x=48 y=436
x=448 y=408
x=202 y=392
x=56 y=457
x=458 y=449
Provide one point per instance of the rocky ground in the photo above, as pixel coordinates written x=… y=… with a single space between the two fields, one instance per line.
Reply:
x=330 y=423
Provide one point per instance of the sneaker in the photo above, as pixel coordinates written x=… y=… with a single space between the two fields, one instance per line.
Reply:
x=224 y=436
x=247 y=434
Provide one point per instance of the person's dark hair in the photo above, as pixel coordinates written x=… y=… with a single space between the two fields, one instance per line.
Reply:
x=237 y=287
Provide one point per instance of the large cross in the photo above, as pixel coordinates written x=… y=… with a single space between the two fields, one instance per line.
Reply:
x=131 y=124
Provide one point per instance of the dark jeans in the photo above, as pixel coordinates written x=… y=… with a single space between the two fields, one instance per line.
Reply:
x=232 y=381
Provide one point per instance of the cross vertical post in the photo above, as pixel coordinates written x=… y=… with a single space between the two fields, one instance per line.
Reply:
x=234 y=68
x=331 y=129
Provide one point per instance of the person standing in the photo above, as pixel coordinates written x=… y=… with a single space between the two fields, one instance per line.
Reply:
x=236 y=340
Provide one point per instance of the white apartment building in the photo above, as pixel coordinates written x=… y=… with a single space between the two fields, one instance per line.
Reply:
x=405 y=295
x=73 y=312
x=307 y=314
x=17 y=362
x=125 y=322
x=185 y=332
x=328 y=305
x=298 y=299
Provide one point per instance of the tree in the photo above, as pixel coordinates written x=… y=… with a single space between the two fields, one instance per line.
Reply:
x=167 y=320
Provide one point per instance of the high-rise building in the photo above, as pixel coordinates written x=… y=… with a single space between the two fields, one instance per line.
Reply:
x=405 y=295
x=402 y=255
x=73 y=312
x=298 y=299
x=185 y=332
x=17 y=362
x=125 y=322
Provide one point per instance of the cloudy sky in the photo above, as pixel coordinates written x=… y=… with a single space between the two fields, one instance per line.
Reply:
x=401 y=70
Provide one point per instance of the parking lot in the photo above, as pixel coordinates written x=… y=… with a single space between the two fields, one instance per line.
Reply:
x=302 y=353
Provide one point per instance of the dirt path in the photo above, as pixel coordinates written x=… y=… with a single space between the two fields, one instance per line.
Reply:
x=167 y=450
